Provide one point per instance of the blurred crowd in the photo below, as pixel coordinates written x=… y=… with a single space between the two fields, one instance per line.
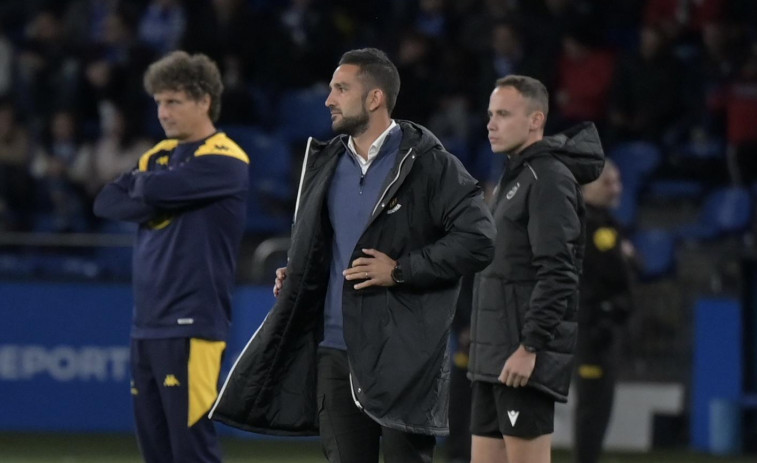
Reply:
x=681 y=74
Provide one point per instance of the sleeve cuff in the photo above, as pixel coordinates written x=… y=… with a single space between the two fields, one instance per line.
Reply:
x=407 y=268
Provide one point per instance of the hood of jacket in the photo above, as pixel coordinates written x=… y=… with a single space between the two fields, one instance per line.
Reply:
x=417 y=137
x=578 y=147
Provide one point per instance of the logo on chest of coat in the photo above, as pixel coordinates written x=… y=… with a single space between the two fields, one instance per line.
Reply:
x=393 y=206
x=512 y=191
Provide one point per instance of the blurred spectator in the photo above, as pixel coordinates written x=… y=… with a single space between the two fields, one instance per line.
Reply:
x=112 y=71
x=86 y=21
x=698 y=143
x=162 y=25
x=451 y=118
x=741 y=108
x=16 y=188
x=473 y=20
x=584 y=77
x=507 y=50
x=431 y=19
x=47 y=70
x=6 y=63
x=415 y=63
x=234 y=31
x=617 y=23
x=308 y=38
x=605 y=305
x=116 y=150
x=669 y=16
x=712 y=72
x=645 y=100
x=60 y=169
x=238 y=104
x=546 y=23
x=678 y=18
x=505 y=55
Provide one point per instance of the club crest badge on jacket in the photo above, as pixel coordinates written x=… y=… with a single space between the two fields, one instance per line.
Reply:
x=393 y=206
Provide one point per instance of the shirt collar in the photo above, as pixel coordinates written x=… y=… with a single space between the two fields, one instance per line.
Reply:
x=373 y=151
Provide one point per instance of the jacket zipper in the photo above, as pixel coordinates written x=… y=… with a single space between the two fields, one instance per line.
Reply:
x=354 y=397
x=233 y=367
x=394 y=180
x=381 y=198
x=302 y=178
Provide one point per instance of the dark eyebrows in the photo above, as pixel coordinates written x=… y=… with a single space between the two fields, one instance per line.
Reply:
x=499 y=112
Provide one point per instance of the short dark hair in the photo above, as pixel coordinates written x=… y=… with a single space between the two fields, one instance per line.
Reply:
x=197 y=75
x=532 y=89
x=378 y=70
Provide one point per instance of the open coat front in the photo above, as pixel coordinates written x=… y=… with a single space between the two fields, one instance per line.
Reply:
x=396 y=337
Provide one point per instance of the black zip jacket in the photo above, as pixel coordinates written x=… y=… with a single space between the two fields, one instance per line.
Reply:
x=432 y=218
x=529 y=294
x=606 y=299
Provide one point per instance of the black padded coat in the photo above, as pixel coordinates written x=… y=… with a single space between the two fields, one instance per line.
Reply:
x=439 y=228
x=529 y=293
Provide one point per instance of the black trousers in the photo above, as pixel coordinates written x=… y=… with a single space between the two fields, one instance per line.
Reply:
x=348 y=435
x=459 y=440
x=596 y=375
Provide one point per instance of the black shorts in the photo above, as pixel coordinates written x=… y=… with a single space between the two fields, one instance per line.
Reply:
x=498 y=410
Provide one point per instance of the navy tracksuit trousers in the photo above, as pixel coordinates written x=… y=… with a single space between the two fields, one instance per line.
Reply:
x=161 y=396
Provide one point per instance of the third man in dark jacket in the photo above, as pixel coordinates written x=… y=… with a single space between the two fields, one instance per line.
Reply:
x=606 y=303
x=523 y=327
x=386 y=223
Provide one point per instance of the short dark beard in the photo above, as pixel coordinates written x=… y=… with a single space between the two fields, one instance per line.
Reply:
x=352 y=126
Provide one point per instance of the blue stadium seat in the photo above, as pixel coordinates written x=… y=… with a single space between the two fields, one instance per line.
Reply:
x=673 y=189
x=487 y=166
x=709 y=148
x=725 y=211
x=459 y=147
x=17 y=266
x=656 y=250
x=61 y=266
x=302 y=113
x=271 y=180
x=270 y=161
x=636 y=162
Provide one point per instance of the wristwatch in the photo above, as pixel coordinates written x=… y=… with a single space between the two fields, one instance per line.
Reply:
x=397 y=274
x=528 y=348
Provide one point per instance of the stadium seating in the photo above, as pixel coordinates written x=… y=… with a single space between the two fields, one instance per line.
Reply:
x=726 y=211
x=271 y=182
x=636 y=162
x=656 y=250
x=302 y=113
x=666 y=189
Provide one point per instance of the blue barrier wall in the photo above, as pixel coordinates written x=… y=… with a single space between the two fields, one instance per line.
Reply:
x=64 y=353
x=717 y=368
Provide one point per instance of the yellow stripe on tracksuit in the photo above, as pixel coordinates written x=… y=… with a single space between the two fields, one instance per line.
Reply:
x=203 y=371
x=587 y=371
x=221 y=145
x=165 y=145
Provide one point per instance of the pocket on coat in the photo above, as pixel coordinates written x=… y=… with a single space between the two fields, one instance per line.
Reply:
x=513 y=306
x=565 y=338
